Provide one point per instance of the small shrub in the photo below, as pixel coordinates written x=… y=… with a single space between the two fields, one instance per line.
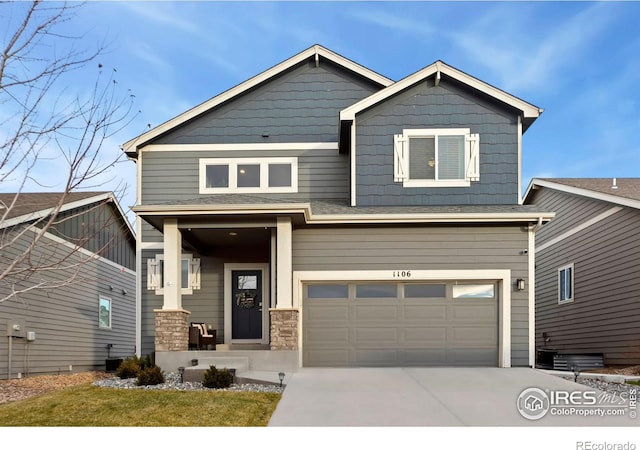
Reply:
x=147 y=361
x=217 y=379
x=129 y=368
x=150 y=376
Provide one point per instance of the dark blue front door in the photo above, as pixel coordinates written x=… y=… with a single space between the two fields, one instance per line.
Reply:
x=246 y=312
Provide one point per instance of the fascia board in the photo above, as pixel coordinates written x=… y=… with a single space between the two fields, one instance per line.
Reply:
x=344 y=218
x=528 y=110
x=617 y=200
x=131 y=145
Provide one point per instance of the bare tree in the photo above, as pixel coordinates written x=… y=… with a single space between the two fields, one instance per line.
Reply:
x=48 y=124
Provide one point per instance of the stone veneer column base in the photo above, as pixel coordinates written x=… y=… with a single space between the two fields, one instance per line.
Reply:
x=284 y=329
x=172 y=330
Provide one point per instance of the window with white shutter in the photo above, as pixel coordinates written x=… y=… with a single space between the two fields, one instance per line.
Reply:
x=189 y=274
x=448 y=157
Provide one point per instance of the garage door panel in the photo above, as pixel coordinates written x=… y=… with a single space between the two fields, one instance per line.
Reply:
x=471 y=356
x=375 y=312
x=375 y=335
x=328 y=311
x=425 y=312
x=474 y=336
x=375 y=357
x=475 y=312
x=425 y=357
x=434 y=336
x=327 y=334
x=329 y=358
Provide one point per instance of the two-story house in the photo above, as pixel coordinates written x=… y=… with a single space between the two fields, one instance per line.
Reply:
x=323 y=214
x=67 y=291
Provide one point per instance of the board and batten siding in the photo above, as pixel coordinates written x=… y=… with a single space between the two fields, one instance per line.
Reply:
x=604 y=315
x=65 y=319
x=424 y=248
x=99 y=229
x=300 y=105
x=174 y=176
x=426 y=106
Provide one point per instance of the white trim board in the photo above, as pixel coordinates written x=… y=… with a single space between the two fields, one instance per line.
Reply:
x=600 y=217
x=503 y=276
x=154 y=148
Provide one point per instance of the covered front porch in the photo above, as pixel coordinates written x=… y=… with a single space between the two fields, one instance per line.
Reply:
x=233 y=274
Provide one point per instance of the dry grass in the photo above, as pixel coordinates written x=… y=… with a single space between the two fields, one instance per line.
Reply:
x=69 y=404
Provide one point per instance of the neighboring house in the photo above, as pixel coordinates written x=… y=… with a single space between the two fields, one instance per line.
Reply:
x=323 y=213
x=588 y=267
x=74 y=302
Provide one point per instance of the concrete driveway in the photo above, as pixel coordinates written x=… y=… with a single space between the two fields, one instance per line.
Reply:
x=434 y=397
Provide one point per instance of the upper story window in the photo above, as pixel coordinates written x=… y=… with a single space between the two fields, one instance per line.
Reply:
x=248 y=175
x=565 y=284
x=447 y=157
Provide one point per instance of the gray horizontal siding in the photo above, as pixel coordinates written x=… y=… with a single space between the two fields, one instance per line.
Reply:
x=65 y=319
x=571 y=211
x=300 y=105
x=444 y=106
x=604 y=315
x=423 y=248
x=172 y=176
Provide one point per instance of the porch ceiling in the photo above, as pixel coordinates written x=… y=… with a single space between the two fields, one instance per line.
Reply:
x=208 y=240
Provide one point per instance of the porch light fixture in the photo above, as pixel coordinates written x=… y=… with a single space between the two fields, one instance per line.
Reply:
x=281 y=376
x=520 y=284
x=233 y=233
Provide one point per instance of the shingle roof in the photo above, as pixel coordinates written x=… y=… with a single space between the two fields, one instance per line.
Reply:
x=32 y=202
x=625 y=187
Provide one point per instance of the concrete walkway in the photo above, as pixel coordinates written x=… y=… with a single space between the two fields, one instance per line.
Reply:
x=423 y=397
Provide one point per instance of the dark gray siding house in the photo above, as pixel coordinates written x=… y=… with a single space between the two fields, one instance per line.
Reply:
x=588 y=267
x=70 y=304
x=321 y=214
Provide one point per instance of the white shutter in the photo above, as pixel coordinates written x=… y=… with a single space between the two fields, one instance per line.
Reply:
x=473 y=164
x=400 y=163
x=153 y=274
x=194 y=273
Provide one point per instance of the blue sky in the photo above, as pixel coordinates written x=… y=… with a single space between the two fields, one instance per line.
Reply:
x=580 y=61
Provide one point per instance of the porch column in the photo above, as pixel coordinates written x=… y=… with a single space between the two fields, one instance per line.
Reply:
x=172 y=275
x=283 y=263
x=284 y=317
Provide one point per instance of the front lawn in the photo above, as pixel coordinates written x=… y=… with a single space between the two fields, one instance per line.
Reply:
x=92 y=406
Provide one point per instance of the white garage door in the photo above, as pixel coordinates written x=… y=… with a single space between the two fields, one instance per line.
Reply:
x=400 y=324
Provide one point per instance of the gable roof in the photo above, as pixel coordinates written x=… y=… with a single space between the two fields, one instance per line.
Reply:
x=439 y=68
x=316 y=52
x=620 y=191
x=36 y=205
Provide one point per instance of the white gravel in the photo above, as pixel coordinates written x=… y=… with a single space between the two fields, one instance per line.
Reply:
x=172 y=382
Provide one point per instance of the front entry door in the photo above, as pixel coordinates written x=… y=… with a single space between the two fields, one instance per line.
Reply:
x=246 y=308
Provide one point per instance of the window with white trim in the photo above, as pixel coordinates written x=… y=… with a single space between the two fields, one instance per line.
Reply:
x=190 y=274
x=565 y=284
x=446 y=157
x=248 y=175
x=104 y=312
